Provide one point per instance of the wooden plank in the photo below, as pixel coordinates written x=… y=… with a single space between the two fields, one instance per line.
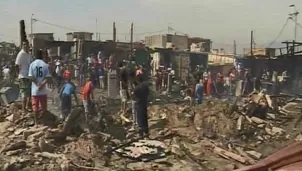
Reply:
x=254 y=154
x=244 y=154
x=229 y=154
x=239 y=122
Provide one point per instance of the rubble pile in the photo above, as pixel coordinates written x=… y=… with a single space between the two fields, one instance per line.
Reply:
x=217 y=135
x=236 y=131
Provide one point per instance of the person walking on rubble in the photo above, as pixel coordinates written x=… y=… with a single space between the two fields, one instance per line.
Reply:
x=123 y=87
x=87 y=96
x=134 y=107
x=22 y=64
x=101 y=74
x=39 y=75
x=199 y=92
x=66 y=93
x=141 y=93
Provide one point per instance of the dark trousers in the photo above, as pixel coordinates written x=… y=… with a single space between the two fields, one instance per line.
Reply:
x=59 y=81
x=142 y=119
x=66 y=105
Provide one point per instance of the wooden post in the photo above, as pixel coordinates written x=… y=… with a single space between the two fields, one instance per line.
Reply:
x=252 y=37
x=131 y=41
x=114 y=32
x=22 y=32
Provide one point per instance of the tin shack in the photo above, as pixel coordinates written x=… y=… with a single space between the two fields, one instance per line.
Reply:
x=182 y=62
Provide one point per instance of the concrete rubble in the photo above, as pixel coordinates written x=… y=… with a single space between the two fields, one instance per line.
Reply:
x=217 y=135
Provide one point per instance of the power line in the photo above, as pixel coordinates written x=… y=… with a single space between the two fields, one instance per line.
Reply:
x=285 y=24
x=55 y=25
x=68 y=28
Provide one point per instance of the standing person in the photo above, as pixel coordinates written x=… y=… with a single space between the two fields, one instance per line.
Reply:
x=199 y=92
x=134 y=108
x=165 y=79
x=87 y=96
x=209 y=84
x=58 y=71
x=219 y=83
x=76 y=73
x=275 y=82
x=66 y=93
x=82 y=74
x=39 y=75
x=22 y=64
x=123 y=87
x=158 y=80
x=6 y=73
x=12 y=72
x=141 y=93
x=102 y=77
x=93 y=75
x=111 y=62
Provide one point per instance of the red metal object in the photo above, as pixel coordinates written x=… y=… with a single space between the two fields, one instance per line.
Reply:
x=287 y=159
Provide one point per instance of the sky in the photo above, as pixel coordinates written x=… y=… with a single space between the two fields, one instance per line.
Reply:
x=223 y=21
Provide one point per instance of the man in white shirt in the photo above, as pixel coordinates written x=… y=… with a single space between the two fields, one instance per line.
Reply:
x=22 y=67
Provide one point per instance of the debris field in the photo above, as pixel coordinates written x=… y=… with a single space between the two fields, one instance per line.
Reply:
x=220 y=135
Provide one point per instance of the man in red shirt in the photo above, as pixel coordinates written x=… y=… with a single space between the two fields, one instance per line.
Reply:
x=87 y=96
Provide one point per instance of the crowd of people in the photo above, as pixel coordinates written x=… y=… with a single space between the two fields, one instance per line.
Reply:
x=238 y=81
x=37 y=75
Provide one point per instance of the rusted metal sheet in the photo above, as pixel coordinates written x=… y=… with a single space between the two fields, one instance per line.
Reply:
x=287 y=159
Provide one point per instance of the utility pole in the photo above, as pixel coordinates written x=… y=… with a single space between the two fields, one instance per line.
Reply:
x=294 y=17
x=131 y=41
x=235 y=52
x=252 y=41
x=114 y=32
x=96 y=29
x=31 y=33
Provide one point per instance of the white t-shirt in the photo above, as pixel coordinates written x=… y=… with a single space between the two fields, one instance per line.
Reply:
x=39 y=71
x=23 y=60
x=58 y=70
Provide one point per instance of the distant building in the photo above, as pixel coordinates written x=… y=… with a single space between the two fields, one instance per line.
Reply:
x=79 y=35
x=179 y=42
x=267 y=52
x=197 y=44
x=8 y=48
x=42 y=36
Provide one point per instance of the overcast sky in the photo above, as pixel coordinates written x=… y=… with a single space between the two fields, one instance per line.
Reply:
x=223 y=21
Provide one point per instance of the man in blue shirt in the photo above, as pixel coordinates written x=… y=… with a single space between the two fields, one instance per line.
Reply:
x=199 y=92
x=39 y=75
x=101 y=74
x=66 y=92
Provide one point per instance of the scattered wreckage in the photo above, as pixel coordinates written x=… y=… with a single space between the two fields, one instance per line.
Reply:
x=217 y=135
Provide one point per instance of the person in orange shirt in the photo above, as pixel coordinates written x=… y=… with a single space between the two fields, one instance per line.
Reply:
x=87 y=96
